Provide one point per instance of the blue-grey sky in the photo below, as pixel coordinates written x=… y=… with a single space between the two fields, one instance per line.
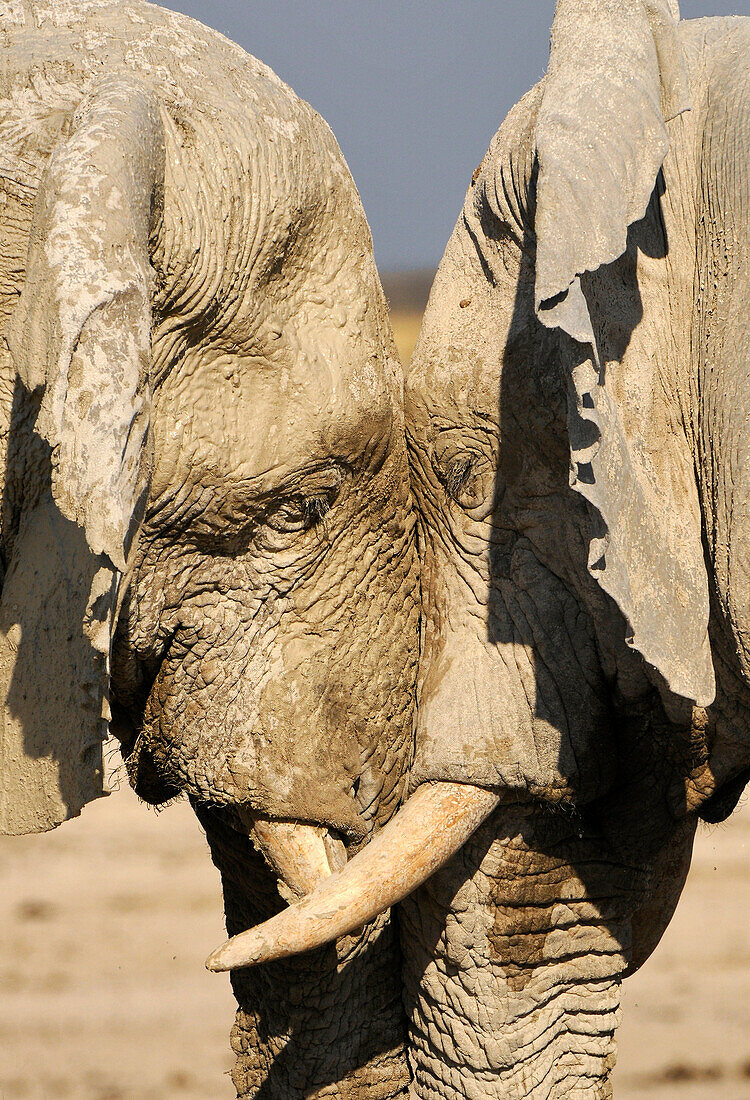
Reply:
x=413 y=89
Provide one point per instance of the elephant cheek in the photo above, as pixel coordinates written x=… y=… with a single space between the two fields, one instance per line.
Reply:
x=331 y=736
x=511 y=693
x=301 y=759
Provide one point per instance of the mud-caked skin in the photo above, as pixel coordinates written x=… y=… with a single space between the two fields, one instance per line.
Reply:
x=582 y=515
x=344 y=1036
x=247 y=613
x=205 y=477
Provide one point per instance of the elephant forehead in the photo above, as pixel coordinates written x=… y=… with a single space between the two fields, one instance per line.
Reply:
x=228 y=417
x=482 y=357
x=458 y=362
x=453 y=384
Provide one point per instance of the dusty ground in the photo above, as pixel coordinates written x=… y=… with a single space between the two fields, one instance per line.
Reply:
x=686 y=1015
x=104 y=926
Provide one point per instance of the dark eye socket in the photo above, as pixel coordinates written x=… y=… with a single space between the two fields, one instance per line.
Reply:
x=241 y=522
x=458 y=474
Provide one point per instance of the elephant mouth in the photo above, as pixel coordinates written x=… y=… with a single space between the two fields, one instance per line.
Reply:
x=300 y=855
x=426 y=832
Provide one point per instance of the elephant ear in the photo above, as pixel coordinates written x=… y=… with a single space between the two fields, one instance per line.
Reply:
x=80 y=341
x=616 y=76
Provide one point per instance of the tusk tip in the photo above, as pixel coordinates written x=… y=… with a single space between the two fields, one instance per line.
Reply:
x=214 y=962
x=234 y=955
x=221 y=959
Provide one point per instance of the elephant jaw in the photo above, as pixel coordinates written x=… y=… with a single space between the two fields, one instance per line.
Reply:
x=426 y=832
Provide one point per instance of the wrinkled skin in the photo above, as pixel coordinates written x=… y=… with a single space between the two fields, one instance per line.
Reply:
x=265 y=633
x=324 y=1024
x=515 y=950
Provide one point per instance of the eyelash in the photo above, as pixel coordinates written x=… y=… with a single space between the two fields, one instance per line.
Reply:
x=458 y=475
x=310 y=512
x=317 y=508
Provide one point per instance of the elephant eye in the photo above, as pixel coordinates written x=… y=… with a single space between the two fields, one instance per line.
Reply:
x=300 y=513
x=458 y=475
x=466 y=478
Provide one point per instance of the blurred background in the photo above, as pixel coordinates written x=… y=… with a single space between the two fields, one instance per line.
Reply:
x=104 y=924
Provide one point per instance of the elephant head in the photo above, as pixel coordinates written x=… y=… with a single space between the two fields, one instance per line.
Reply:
x=577 y=411
x=206 y=523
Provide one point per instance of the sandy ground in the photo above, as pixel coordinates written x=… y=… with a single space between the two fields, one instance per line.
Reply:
x=104 y=926
x=105 y=923
x=686 y=1015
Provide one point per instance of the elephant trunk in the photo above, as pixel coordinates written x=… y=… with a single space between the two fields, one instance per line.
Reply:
x=425 y=833
x=513 y=955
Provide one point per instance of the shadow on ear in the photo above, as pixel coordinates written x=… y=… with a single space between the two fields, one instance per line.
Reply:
x=80 y=343
x=616 y=76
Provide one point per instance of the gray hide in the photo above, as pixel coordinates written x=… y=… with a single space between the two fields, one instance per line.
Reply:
x=630 y=80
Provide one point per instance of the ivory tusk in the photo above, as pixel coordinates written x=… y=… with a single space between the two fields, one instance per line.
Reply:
x=300 y=855
x=428 y=829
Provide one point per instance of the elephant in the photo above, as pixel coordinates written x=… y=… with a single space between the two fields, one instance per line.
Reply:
x=577 y=413
x=207 y=535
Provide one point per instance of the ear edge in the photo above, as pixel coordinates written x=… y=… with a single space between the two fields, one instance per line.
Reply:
x=645 y=34
x=81 y=331
x=600 y=447
x=88 y=289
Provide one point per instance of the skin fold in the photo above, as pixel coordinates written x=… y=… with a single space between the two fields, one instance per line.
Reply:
x=206 y=526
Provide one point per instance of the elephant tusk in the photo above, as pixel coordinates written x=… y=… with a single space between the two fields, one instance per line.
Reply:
x=428 y=829
x=300 y=855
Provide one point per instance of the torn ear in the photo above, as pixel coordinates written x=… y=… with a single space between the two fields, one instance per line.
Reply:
x=616 y=77
x=82 y=328
x=80 y=337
